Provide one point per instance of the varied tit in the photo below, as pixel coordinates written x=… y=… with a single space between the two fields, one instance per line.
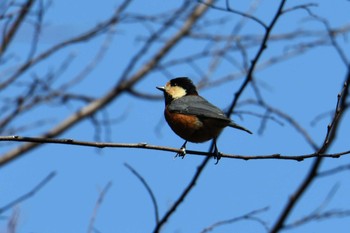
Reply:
x=191 y=116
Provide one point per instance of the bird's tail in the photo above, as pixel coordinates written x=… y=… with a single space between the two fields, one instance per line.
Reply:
x=234 y=125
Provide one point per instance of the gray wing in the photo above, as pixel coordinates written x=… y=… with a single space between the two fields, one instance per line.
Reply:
x=196 y=105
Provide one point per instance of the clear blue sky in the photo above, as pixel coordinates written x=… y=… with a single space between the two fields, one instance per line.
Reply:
x=304 y=87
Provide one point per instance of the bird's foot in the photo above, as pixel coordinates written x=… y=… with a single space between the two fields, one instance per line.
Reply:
x=183 y=151
x=217 y=154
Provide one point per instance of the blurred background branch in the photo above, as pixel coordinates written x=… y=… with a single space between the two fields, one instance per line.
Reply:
x=79 y=80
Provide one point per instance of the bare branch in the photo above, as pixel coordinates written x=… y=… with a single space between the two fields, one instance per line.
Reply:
x=287 y=118
x=149 y=190
x=318 y=214
x=183 y=195
x=331 y=36
x=223 y=51
x=333 y=171
x=100 y=28
x=13 y=222
x=228 y=8
x=144 y=145
x=115 y=91
x=305 y=7
x=258 y=55
x=155 y=36
x=29 y=194
x=15 y=26
x=249 y=216
x=97 y=206
x=330 y=135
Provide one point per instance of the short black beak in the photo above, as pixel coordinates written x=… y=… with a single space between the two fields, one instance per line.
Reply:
x=161 y=88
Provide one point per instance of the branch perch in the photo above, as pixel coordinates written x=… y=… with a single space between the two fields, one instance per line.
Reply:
x=144 y=145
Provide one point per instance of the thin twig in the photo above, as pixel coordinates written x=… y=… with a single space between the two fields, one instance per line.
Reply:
x=149 y=190
x=29 y=194
x=182 y=197
x=333 y=171
x=228 y=8
x=97 y=206
x=319 y=214
x=8 y=38
x=258 y=55
x=287 y=118
x=248 y=216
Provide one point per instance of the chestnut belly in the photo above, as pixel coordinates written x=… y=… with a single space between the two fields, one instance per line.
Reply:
x=194 y=129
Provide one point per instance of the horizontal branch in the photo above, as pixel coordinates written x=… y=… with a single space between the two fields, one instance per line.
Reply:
x=144 y=145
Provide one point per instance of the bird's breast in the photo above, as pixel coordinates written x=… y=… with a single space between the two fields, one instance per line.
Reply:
x=192 y=128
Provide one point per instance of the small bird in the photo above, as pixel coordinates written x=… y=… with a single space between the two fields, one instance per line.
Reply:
x=191 y=116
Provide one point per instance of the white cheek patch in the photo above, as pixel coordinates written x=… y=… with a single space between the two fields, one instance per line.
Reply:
x=175 y=92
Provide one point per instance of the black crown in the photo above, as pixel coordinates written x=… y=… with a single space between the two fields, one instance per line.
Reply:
x=185 y=83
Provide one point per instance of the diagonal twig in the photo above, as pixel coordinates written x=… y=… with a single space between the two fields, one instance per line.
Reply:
x=97 y=206
x=29 y=194
x=312 y=174
x=149 y=190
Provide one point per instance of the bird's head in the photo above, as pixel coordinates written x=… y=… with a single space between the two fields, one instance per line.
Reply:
x=177 y=88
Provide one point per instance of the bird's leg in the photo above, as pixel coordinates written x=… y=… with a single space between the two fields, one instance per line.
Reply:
x=183 y=152
x=217 y=154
